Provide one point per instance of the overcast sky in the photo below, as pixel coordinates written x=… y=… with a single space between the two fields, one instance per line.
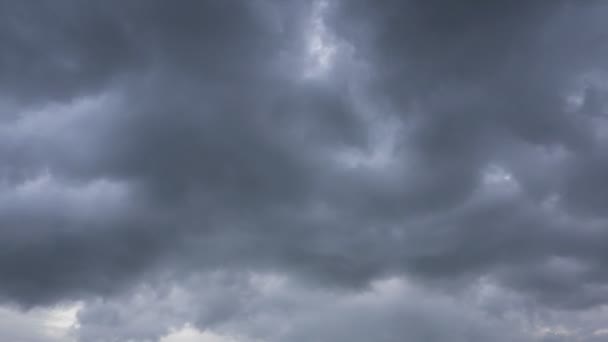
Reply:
x=303 y=171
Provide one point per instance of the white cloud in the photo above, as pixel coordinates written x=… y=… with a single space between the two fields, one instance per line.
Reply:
x=38 y=325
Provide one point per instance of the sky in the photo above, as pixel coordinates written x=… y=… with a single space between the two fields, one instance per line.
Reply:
x=303 y=170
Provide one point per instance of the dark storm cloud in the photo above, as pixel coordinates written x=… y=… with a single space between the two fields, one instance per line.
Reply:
x=205 y=123
x=187 y=75
x=446 y=141
x=60 y=50
x=486 y=84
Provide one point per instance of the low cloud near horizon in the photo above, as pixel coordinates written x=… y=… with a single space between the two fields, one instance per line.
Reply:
x=295 y=171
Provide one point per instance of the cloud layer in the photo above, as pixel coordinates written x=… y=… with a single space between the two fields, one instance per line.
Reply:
x=388 y=162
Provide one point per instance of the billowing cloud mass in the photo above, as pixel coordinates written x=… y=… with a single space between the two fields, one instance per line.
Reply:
x=332 y=170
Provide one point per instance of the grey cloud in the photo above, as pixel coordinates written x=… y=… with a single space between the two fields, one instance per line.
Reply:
x=270 y=307
x=486 y=84
x=449 y=142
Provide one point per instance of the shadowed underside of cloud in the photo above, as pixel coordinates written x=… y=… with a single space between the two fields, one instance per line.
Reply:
x=381 y=159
